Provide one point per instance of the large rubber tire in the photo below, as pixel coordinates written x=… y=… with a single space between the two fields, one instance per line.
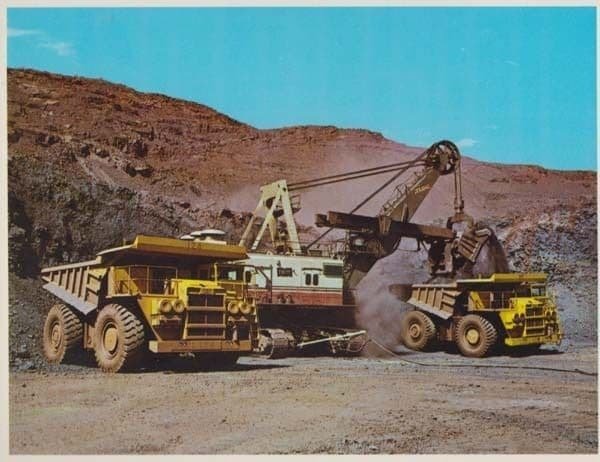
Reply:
x=63 y=334
x=475 y=336
x=119 y=343
x=417 y=331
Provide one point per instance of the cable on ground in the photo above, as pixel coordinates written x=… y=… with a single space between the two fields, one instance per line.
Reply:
x=489 y=366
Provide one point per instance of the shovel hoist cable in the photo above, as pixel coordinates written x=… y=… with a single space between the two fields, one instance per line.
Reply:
x=416 y=161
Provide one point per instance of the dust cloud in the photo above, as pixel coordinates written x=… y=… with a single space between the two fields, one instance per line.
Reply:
x=379 y=311
x=243 y=199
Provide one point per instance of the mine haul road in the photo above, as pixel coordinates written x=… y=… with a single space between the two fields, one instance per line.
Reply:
x=313 y=405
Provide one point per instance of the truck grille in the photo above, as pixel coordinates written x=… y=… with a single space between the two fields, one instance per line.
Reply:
x=205 y=316
x=534 y=321
x=534 y=311
x=205 y=300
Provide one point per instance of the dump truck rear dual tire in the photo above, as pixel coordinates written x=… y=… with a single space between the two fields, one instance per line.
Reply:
x=119 y=341
x=417 y=331
x=475 y=336
x=63 y=334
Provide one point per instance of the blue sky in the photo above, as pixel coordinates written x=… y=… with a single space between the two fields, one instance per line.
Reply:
x=515 y=85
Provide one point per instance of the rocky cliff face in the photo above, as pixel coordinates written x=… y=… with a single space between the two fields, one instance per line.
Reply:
x=91 y=163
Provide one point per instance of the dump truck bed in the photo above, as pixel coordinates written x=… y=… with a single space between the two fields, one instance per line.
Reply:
x=77 y=284
x=154 y=245
x=80 y=284
x=440 y=299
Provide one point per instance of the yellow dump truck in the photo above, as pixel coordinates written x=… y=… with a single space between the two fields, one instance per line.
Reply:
x=510 y=309
x=155 y=294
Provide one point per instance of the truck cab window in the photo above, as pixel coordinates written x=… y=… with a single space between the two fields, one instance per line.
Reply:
x=538 y=291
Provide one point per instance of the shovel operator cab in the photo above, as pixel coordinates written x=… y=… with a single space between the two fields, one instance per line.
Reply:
x=159 y=294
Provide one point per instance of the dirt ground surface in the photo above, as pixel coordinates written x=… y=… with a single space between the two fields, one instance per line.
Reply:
x=315 y=405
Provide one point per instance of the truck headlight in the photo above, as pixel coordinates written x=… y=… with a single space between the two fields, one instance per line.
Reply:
x=233 y=307
x=179 y=306
x=246 y=308
x=165 y=306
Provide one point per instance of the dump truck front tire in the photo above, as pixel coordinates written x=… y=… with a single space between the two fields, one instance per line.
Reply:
x=63 y=334
x=418 y=331
x=118 y=339
x=475 y=336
